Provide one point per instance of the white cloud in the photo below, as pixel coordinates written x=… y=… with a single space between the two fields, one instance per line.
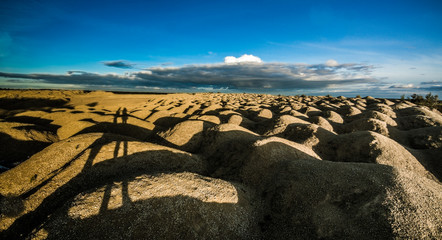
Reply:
x=243 y=59
x=147 y=72
x=331 y=63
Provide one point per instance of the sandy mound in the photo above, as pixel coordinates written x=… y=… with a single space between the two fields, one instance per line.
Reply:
x=307 y=134
x=417 y=121
x=280 y=124
x=366 y=124
x=311 y=111
x=371 y=147
x=218 y=166
x=187 y=135
x=333 y=117
x=224 y=145
x=322 y=122
x=376 y=115
x=311 y=199
x=298 y=115
x=402 y=105
x=426 y=138
x=420 y=110
x=165 y=206
x=260 y=158
x=235 y=119
x=348 y=110
x=382 y=108
x=264 y=114
x=308 y=198
x=164 y=118
x=207 y=118
x=85 y=161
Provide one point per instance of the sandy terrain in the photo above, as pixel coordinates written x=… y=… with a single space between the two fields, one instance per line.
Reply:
x=217 y=166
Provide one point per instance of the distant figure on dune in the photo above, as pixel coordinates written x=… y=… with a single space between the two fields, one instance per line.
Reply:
x=117 y=115
x=125 y=116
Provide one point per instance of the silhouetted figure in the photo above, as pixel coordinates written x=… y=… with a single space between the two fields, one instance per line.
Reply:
x=116 y=116
x=125 y=116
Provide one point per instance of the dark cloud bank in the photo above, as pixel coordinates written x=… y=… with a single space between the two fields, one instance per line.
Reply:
x=239 y=76
x=119 y=64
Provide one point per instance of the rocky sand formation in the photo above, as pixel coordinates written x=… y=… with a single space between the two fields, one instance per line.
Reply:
x=89 y=165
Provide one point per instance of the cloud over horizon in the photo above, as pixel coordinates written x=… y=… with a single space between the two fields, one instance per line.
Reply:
x=246 y=58
x=403 y=86
x=331 y=63
x=409 y=88
x=246 y=75
x=432 y=83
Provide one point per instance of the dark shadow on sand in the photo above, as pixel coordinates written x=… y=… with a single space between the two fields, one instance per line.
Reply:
x=14 y=151
x=92 y=175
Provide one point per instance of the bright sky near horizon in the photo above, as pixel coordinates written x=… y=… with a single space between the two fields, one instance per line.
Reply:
x=378 y=48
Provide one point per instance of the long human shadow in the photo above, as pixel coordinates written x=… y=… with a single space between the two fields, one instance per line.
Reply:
x=125 y=193
x=119 y=126
x=126 y=129
x=94 y=147
x=124 y=115
x=16 y=151
x=33 y=147
x=92 y=175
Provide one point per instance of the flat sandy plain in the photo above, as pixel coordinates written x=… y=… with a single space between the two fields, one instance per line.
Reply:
x=94 y=165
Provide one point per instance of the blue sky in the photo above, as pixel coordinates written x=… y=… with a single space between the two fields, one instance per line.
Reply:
x=379 y=48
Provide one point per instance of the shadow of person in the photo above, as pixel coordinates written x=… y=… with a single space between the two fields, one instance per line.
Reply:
x=93 y=174
x=117 y=115
x=125 y=192
x=124 y=116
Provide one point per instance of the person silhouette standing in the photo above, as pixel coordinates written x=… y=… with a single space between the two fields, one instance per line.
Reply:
x=124 y=116
x=117 y=115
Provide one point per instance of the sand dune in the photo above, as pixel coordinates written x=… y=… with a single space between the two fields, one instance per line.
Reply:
x=88 y=165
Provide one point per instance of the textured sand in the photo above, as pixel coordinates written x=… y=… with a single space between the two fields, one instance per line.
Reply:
x=89 y=165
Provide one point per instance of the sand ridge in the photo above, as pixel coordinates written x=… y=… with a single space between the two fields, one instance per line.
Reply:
x=222 y=166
